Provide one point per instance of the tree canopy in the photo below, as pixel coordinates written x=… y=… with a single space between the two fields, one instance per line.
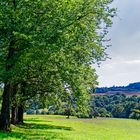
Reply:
x=49 y=44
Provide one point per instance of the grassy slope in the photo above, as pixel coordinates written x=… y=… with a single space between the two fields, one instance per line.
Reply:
x=58 y=128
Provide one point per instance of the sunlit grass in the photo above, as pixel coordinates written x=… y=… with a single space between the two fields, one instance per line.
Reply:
x=49 y=127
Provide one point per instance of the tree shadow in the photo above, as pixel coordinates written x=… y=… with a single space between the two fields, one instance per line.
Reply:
x=35 y=120
x=21 y=136
x=43 y=126
x=34 y=131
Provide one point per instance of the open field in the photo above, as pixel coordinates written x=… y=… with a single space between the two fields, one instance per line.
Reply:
x=42 y=127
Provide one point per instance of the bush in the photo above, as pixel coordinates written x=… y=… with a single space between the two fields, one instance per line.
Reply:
x=31 y=111
x=134 y=115
x=80 y=115
x=38 y=111
x=44 y=111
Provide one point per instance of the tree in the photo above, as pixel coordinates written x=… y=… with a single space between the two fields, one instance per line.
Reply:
x=65 y=35
x=135 y=114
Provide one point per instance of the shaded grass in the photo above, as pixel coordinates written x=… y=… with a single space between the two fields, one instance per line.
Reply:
x=46 y=127
x=43 y=126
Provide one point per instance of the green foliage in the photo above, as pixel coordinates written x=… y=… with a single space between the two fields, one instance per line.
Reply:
x=117 y=105
x=46 y=45
x=59 y=36
x=136 y=111
x=135 y=114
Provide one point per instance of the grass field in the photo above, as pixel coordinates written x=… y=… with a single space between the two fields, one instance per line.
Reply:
x=42 y=127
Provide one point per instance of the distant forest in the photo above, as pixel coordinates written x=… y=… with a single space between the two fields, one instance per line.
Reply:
x=116 y=105
x=117 y=101
x=133 y=87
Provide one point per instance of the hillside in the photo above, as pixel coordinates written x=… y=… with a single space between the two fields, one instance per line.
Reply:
x=131 y=89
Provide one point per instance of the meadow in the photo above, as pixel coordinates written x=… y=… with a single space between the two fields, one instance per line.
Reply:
x=49 y=127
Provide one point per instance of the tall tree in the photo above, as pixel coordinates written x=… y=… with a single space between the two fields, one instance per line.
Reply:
x=65 y=35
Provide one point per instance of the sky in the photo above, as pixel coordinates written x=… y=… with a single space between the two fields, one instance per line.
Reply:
x=124 y=66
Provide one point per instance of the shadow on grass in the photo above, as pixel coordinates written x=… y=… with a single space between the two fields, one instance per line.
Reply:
x=33 y=131
x=35 y=120
x=44 y=126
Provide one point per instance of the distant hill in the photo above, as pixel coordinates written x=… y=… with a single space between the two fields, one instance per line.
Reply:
x=131 y=89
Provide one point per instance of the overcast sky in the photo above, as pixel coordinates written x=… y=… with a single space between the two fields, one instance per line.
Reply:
x=124 y=67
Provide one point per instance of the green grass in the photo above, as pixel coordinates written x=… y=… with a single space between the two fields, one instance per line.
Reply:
x=42 y=127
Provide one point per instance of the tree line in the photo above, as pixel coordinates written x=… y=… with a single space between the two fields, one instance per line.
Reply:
x=116 y=105
x=46 y=50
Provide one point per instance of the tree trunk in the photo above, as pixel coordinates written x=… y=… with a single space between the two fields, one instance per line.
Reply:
x=5 y=110
x=21 y=106
x=17 y=115
x=14 y=115
x=20 y=115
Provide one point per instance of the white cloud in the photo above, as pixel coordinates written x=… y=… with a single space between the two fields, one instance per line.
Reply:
x=124 y=67
x=133 y=62
x=118 y=72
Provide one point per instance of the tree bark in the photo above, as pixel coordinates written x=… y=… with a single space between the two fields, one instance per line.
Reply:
x=20 y=115
x=21 y=105
x=14 y=115
x=5 y=110
x=17 y=115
